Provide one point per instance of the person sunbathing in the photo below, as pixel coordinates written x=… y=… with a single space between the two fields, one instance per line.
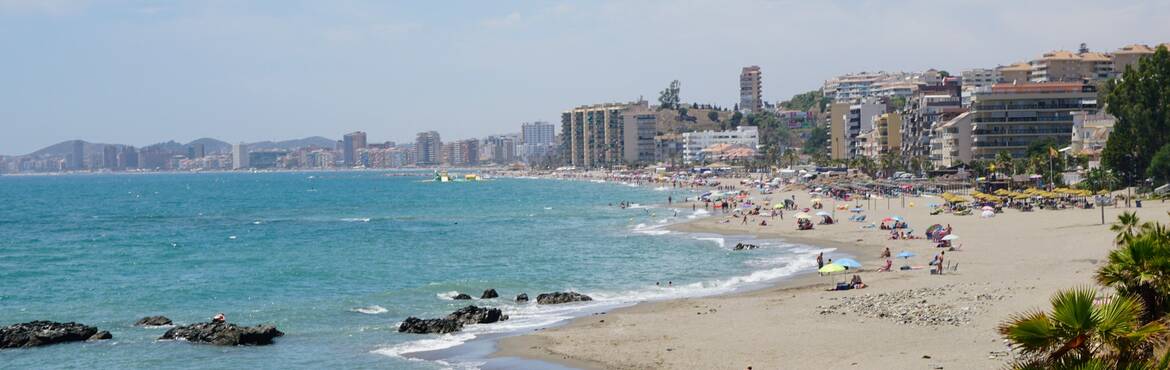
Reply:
x=889 y=264
x=856 y=282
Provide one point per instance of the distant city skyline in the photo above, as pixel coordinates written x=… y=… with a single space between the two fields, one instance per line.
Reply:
x=139 y=73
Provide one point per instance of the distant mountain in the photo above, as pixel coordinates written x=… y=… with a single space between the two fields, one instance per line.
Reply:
x=315 y=141
x=211 y=145
x=66 y=147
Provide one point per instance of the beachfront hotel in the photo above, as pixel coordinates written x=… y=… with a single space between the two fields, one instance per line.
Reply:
x=847 y=122
x=595 y=135
x=1010 y=117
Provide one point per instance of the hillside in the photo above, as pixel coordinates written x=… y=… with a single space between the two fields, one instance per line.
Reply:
x=314 y=141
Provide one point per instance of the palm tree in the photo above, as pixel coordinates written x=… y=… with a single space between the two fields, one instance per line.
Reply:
x=1081 y=333
x=1140 y=268
x=1127 y=225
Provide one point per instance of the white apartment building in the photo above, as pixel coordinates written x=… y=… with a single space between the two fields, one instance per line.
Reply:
x=695 y=142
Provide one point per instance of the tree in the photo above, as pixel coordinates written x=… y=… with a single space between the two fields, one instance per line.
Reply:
x=668 y=99
x=1141 y=102
x=1080 y=333
x=713 y=116
x=898 y=102
x=1140 y=266
x=736 y=118
x=1159 y=168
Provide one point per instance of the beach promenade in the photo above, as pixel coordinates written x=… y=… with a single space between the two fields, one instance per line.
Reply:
x=910 y=319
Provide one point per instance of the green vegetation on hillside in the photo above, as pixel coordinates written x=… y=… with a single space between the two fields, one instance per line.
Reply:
x=806 y=101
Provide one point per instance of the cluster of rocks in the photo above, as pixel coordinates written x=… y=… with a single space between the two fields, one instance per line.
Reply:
x=487 y=294
x=224 y=334
x=745 y=246
x=43 y=333
x=472 y=315
x=454 y=322
x=153 y=321
x=952 y=305
x=562 y=297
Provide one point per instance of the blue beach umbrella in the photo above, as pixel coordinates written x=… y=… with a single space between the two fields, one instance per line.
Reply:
x=906 y=254
x=848 y=262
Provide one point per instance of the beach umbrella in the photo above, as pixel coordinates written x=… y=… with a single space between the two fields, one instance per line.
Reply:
x=804 y=216
x=905 y=254
x=823 y=214
x=887 y=219
x=987 y=214
x=897 y=218
x=988 y=208
x=848 y=262
x=831 y=268
x=933 y=228
x=778 y=206
x=856 y=210
x=950 y=237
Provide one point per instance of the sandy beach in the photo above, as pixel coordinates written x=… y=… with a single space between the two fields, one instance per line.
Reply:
x=904 y=319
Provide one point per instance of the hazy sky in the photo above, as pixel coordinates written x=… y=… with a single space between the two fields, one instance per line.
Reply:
x=140 y=72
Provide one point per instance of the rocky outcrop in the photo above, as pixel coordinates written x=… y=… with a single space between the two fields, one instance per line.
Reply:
x=561 y=297
x=477 y=315
x=489 y=294
x=42 y=333
x=224 y=334
x=461 y=297
x=153 y=321
x=522 y=297
x=416 y=325
x=745 y=246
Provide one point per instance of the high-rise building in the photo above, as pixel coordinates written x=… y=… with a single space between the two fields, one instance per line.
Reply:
x=1015 y=73
x=950 y=141
x=750 y=99
x=1066 y=66
x=196 y=151
x=641 y=126
x=128 y=158
x=351 y=144
x=931 y=105
x=76 y=157
x=240 y=156
x=848 y=121
x=1010 y=117
x=885 y=137
x=428 y=149
x=592 y=135
x=109 y=157
x=539 y=141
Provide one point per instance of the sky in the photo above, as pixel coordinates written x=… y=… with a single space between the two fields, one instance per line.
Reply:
x=142 y=72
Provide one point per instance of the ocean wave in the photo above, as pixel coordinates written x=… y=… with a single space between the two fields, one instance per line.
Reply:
x=718 y=241
x=447 y=295
x=650 y=229
x=370 y=310
x=356 y=219
x=699 y=213
x=662 y=188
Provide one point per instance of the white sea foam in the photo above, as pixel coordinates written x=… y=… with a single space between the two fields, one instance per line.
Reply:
x=650 y=229
x=447 y=295
x=356 y=219
x=699 y=213
x=369 y=310
x=718 y=241
x=423 y=345
x=662 y=188
x=547 y=208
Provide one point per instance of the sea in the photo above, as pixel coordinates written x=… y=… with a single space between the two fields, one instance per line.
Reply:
x=337 y=259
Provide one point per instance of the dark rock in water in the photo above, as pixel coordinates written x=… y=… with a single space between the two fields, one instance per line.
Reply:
x=561 y=297
x=523 y=297
x=476 y=315
x=101 y=335
x=461 y=297
x=745 y=246
x=224 y=334
x=41 y=333
x=489 y=294
x=416 y=325
x=153 y=321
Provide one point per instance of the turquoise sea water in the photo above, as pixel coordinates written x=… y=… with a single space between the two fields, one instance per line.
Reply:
x=336 y=260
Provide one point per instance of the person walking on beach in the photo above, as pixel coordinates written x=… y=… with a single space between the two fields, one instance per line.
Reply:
x=669 y=199
x=820 y=260
x=744 y=220
x=939 y=268
x=886 y=253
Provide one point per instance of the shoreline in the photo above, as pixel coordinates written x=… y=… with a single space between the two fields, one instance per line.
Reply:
x=1011 y=263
